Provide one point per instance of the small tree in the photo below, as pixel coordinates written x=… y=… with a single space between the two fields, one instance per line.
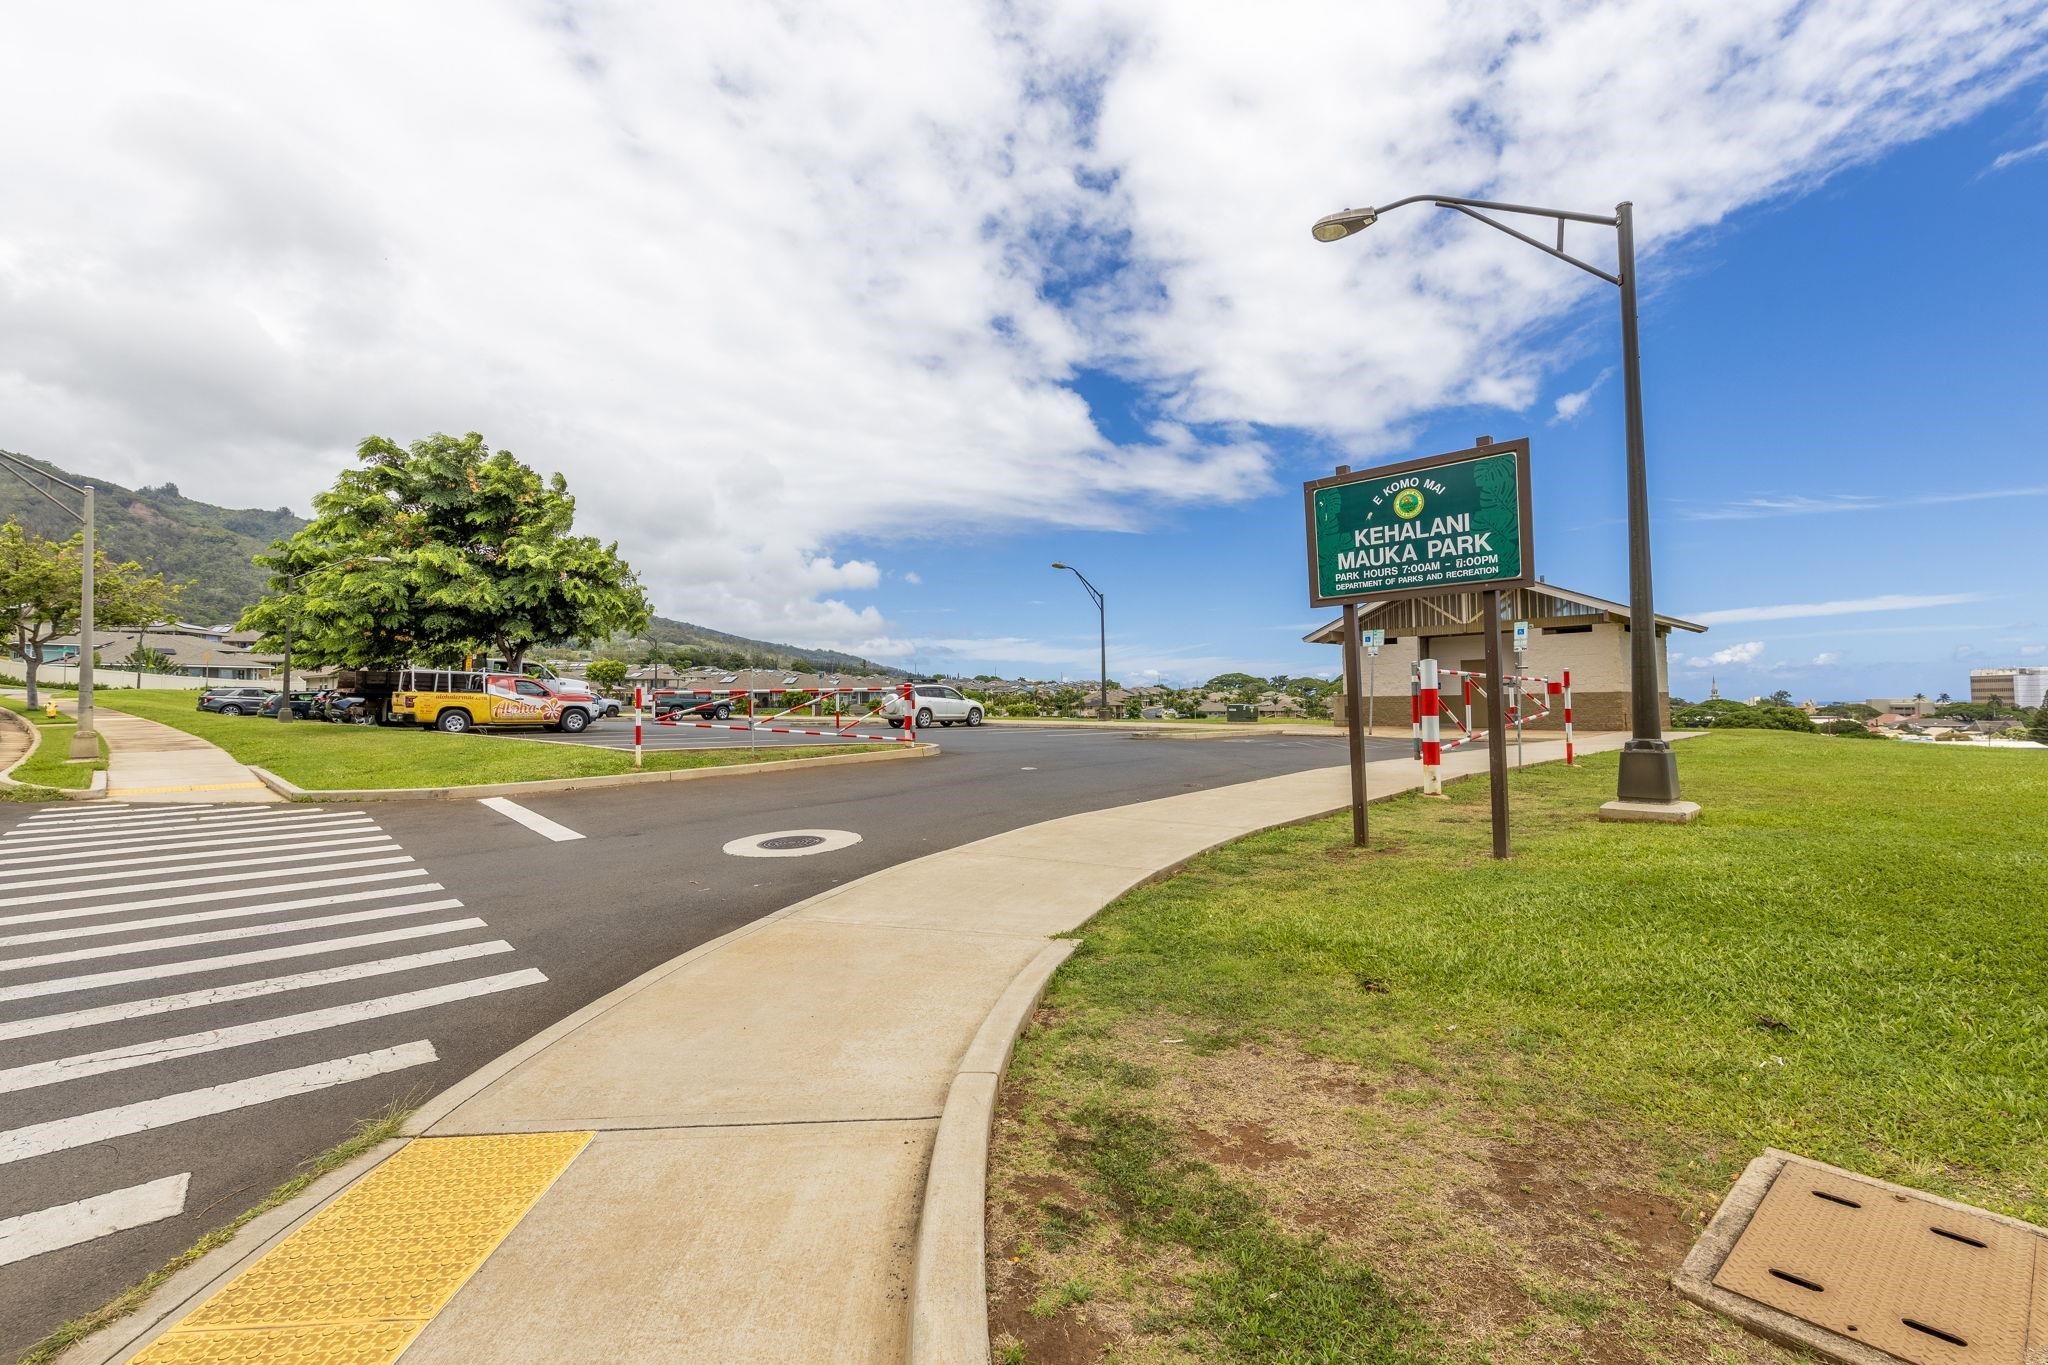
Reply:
x=2038 y=731
x=39 y=582
x=438 y=549
x=606 y=674
x=143 y=659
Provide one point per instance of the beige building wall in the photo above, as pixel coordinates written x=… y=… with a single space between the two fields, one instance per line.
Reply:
x=1598 y=659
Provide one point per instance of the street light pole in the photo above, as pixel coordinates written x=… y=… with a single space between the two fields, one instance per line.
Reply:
x=1649 y=768
x=1102 y=638
x=85 y=740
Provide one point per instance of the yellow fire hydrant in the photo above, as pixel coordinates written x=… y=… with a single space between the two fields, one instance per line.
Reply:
x=50 y=709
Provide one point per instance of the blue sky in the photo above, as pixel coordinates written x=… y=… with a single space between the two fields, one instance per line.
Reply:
x=846 y=321
x=1844 y=400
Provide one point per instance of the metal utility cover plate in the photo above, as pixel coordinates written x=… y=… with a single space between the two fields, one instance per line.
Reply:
x=1884 y=1272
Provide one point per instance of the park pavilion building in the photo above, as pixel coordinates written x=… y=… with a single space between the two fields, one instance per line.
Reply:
x=1567 y=630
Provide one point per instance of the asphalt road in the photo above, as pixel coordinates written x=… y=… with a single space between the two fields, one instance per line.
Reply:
x=149 y=1091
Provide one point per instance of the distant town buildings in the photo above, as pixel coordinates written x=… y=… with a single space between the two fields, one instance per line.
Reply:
x=2019 y=688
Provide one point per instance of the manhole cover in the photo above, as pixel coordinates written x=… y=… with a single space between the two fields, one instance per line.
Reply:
x=792 y=843
x=1863 y=1270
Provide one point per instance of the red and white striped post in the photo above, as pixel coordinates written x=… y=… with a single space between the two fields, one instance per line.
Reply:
x=1467 y=680
x=909 y=710
x=638 y=690
x=1432 y=735
x=1567 y=688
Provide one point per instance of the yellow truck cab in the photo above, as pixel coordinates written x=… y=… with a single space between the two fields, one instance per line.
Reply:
x=455 y=701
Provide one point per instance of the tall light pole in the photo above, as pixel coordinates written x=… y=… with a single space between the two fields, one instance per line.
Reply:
x=1102 y=625
x=85 y=739
x=291 y=629
x=1649 y=768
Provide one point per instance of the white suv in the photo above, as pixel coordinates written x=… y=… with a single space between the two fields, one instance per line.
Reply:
x=933 y=703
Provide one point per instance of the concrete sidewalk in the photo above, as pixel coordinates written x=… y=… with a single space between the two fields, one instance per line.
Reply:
x=148 y=761
x=761 y=1117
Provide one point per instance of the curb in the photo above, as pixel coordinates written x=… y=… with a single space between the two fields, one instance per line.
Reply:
x=261 y=1233
x=949 y=1279
x=95 y=790
x=543 y=786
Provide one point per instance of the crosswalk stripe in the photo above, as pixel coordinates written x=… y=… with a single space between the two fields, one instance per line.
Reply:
x=192 y=966
x=254 y=817
x=139 y=818
x=193 y=898
x=48 y=896
x=84 y=1220
x=206 y=916
x=280 y=838
x=176 y=862
x=245 y=990
x=150 y=945
x=61 y=1069
x=57 y=1135
x=16 y=838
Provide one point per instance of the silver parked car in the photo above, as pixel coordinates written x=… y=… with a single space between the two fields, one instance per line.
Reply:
x=932 y=703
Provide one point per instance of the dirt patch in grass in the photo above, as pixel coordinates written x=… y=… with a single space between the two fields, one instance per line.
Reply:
x=1505 y=1237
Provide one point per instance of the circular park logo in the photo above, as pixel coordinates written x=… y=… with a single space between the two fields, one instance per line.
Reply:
x=1408 y=504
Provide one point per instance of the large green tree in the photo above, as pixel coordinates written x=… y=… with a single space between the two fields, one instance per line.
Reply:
x=39 y=597
x=439 y=549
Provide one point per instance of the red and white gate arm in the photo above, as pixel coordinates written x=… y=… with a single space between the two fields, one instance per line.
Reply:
x=1432 y=742
x=757 y=727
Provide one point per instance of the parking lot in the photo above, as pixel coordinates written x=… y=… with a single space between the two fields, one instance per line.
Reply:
x=617 y=733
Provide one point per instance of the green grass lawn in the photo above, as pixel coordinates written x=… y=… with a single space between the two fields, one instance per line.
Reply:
x=1509 y=1092
x=319 y=756
x=50 y=765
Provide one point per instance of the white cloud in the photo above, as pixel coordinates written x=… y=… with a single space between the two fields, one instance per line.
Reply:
x=1827 y=658
x=1748 y=652
x=1844 y=607
x=912 y=577
x=1802 y=504
x=2013 y=158
x=1570 y=405
x=764 y=281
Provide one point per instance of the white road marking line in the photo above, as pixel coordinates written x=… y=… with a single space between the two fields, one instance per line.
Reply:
x=86 y=1220
x=204 y=916
x=379 y=843
x=48 y=896
x=14 y=839
x=40 y=1139
x=64 y=985
x=193 y=898
x=155 y=844
x=169 y=815
x=539 y=824
x=245 y=990
x=290 y=926
x=61 y=1069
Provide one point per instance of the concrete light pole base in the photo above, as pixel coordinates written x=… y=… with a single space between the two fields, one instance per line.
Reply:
x=85 y=744
x=1651 y=812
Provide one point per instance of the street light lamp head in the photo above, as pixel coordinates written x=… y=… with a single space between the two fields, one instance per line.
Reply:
x=1335 y=227
x=1057 y=565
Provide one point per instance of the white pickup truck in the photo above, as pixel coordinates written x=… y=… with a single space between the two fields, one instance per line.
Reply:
x=932 y=703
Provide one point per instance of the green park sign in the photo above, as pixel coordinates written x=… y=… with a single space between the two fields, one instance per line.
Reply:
x=1443 y=524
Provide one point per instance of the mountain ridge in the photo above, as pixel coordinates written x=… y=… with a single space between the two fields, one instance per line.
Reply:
x=210 y=547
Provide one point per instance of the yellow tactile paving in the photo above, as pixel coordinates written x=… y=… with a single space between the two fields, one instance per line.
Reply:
x=369 y=1271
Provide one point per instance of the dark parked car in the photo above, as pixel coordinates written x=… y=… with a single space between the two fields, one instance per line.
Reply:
x=302 y=704
x=699 y=704
x=233 y=701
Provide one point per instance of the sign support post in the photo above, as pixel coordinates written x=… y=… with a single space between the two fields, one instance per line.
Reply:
x=1354 y=718
x=1496 y=729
